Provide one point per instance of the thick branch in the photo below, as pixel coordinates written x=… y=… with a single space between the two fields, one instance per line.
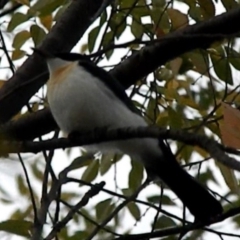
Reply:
x=174 y=44
x=17 y=91
x=210 y=145
x=29 y=127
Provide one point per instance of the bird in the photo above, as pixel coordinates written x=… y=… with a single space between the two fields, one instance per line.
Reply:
x=83 y=97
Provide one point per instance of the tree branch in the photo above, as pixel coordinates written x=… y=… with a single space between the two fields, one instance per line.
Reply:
x=17 y=91
x=95 y=189
x=215 y=149
x=141 y=63
x=178 y=230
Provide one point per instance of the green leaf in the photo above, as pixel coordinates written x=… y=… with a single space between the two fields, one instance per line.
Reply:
x=60 y=11
x=78 y=235
x=200 y=61
x=178 y=19
x=104 y=208
x=106 y=163
x=160 y=19
x=222 y=68
x=233 y=57
x=230 y=4
x=91 y=172
x=103 y=18
x=164 y=222
x=137 y=29
x=37 y=33
x=152 y=110
x=92 y=37
x=20 y=39
x=135 y=175
x=79 y=162
x=46 y=7
x=134 y=210
x=107 y=40
x=229 y=178
x=18 y=227
x=22 y=185
x=118 y=24
x=164 y=200
x=195 y=13
x=175 y=118
x=127 y=3
x=16 y=20
x=207 y=8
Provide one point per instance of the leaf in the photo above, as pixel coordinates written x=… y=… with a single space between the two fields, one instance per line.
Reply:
x=230 y=126
x=152 y=110
x=92 y=37
x=20 y=38
x=37 y=33
x=178 y=19
x=79 y=162
x=106 y=163
x=200 y=61
x=229 y=178
x=47 y=21
x=91 y=172
x=84 y=48
x=134 y=210
x=22 y=185
x=23 y=2
x=221 y=67
x=103 y=18
x=160 y=20
x=135 y=175
x=104 y=208
x=164 y=200
x=175 y=65
x=195 y=13
x=37 y=172
x=18 y=227
x=164 y=222
x=127 y=3
x=16 y=20
x=185 y=100
x=207 y=8
x=136 y=29
x=17 y=54
x=46 y=7
x=107 y=40
x=175 y=118
x=60 y=11
x=229 y=4
x=233 y=57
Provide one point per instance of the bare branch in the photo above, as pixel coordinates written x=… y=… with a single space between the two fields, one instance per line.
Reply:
x=178 y=230
x=117 y=209
x=95 y=189
x=215 y=149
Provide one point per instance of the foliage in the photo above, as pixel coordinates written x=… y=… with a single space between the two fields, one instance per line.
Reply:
x=196 y=91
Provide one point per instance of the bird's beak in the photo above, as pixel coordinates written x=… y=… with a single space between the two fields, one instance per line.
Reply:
x=44 y=54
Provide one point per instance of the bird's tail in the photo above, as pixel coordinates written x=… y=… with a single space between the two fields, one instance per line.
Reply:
x=194 y=196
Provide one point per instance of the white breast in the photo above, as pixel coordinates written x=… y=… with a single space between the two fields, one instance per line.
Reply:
x=82 y=102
